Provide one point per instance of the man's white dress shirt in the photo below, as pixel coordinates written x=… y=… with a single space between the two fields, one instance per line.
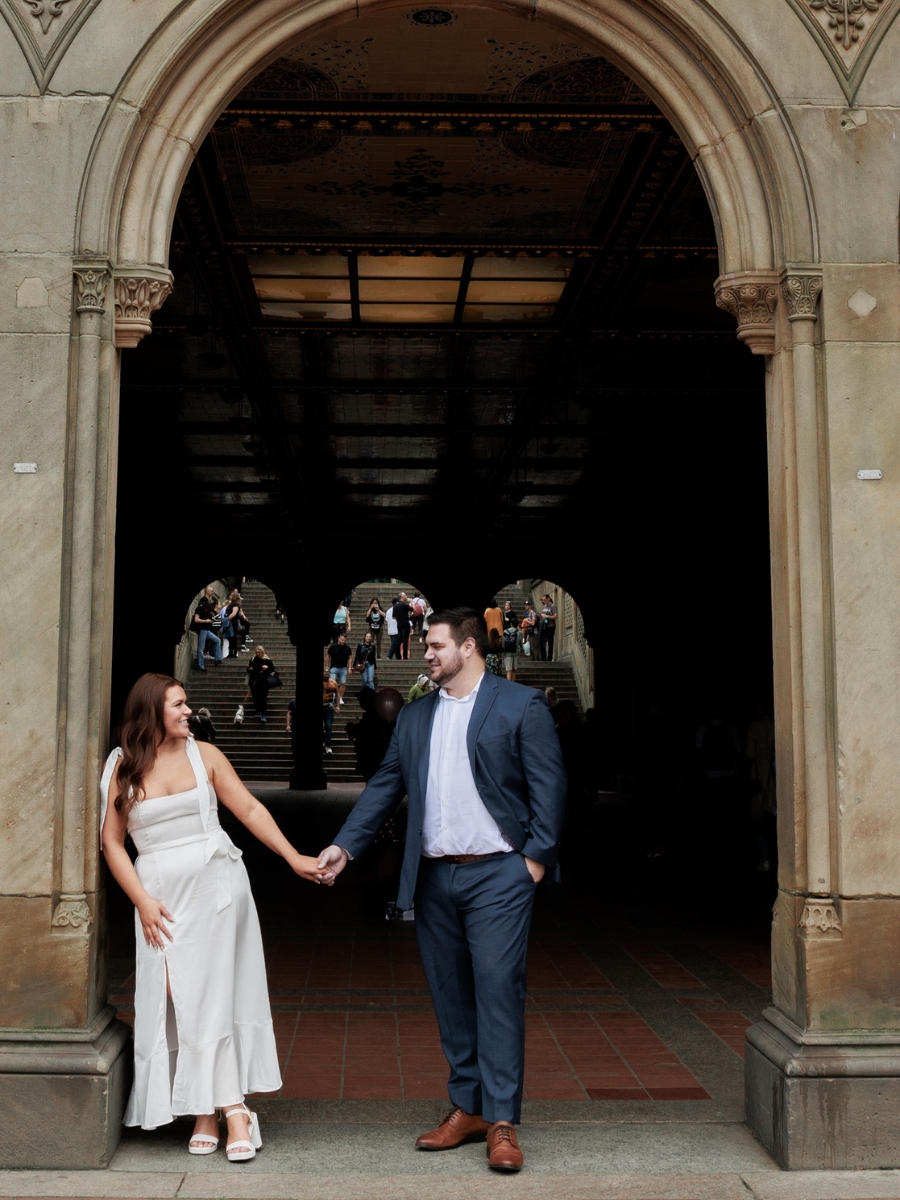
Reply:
x=456 y=820
x=390 y=622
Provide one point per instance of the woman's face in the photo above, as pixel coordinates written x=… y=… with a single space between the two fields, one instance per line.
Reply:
x=508 y=606
x=176 y=713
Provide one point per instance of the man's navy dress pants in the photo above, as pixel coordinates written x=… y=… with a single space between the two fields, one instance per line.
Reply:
x=472 y=923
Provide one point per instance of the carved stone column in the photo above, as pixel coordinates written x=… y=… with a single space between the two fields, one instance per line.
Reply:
x=751 y=298
x=306 y=729
x=139 y=293
x=63 y=1056
x=823 y=1066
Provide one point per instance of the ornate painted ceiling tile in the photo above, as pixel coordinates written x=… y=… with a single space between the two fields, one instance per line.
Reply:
x=44 y=30
x=849 y=31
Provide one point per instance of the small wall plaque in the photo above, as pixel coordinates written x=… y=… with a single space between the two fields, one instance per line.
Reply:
x=870 y=473
x=24 y=468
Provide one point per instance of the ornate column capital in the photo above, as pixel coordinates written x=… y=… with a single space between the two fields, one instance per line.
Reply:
x=751 y=298
x=92 y=278
x=801 y=288
x=139 y=292
x=821 y=918
x=72 y=912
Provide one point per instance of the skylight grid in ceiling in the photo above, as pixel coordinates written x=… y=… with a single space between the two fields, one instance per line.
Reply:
x=376 y=448
x=387 y=409
x=397 y=289
x=386 y=478
x=388 y=500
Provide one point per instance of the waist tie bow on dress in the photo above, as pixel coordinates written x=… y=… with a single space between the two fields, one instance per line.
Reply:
x=220 y=847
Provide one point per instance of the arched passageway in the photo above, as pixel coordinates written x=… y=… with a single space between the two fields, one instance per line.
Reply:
x=465 y=344
x=464 y=321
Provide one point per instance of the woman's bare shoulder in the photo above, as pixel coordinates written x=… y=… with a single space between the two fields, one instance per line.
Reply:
x=212 y=756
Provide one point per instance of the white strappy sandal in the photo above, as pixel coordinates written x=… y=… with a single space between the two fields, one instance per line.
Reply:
x=242 y=1150
x=210 y=1144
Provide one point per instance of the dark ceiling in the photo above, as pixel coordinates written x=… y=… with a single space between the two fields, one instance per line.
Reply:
x=580 y=424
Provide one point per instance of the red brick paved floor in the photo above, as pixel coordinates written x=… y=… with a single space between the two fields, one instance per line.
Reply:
x=353 y=1019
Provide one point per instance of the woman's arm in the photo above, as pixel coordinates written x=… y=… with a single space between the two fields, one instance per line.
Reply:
x=152 y=913
x=255 y=816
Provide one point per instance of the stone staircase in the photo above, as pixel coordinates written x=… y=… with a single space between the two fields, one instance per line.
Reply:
x=258 y=752
x=262 y=753
x=340 y=765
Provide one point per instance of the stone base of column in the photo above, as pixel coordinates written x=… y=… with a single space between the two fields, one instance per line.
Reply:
x=817 y=1101
x=62 y=1097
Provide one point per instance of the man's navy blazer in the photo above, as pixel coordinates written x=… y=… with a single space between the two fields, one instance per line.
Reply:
x=516 y=763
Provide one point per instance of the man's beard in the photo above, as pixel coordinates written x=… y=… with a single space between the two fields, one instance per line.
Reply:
x=448 y=674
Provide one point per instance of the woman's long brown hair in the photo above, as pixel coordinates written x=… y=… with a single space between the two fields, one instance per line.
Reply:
x=142 y=731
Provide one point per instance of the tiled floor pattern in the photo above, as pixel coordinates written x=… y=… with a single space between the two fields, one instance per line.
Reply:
x=751 y=958
x=353 y=1019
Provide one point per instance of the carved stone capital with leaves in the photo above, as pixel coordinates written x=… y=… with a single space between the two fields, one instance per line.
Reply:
x=138 y=295
x=72 y=912
x=91 y=284
x=751 y=297
x=801 y=290
x=820 y=918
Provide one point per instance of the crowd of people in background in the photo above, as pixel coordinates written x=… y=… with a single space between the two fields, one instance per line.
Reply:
x=223 y=631
x=510 y=634
x=729 y=775
x=222 y=628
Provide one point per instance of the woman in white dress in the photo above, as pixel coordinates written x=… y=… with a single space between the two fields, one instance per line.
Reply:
x=203 y=1036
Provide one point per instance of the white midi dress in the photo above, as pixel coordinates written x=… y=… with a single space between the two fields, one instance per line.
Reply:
x=213 y=1043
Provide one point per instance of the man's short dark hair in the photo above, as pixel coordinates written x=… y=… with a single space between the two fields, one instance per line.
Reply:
x=464 y=623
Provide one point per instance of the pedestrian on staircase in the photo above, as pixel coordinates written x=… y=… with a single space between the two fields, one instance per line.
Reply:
x=364 y=660
x=341 y=621
x=391 y=624
x=403 y=616
x=493 y=616
x=226 y=629
x=233 y=615
x=510 y=642
x=419 y=689
x=549 y=617
x=329 y=704
x=259 y=666
x=201 y=624
x=201 y=726
x=375 y=617
x=338 y=659
x=494 y=660
x=528 y=628
x=418 y=615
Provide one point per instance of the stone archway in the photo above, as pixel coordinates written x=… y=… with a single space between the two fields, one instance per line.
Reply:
x=714 y=92
x=702 y=78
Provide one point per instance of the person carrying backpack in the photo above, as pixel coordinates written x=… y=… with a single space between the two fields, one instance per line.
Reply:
x=510 y=642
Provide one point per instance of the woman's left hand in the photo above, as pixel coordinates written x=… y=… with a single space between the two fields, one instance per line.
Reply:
x=308 y=868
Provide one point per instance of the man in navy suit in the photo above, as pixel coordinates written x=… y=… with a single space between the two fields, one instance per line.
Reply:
x=480 y=762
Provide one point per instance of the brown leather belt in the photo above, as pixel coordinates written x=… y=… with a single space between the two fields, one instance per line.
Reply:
x=467 y=858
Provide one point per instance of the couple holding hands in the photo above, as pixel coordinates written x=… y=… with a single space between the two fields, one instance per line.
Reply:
x=480 y=762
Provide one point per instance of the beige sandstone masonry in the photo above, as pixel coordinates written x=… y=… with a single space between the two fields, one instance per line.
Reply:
x=789 y=108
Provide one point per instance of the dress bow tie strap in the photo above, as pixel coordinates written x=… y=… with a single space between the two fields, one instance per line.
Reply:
x=220 y=846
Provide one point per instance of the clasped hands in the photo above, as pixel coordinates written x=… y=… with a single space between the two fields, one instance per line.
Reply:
x=333 y=859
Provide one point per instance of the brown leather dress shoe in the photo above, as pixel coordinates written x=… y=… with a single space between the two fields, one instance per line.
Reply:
x=457 y=1127
x=503 y=1149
